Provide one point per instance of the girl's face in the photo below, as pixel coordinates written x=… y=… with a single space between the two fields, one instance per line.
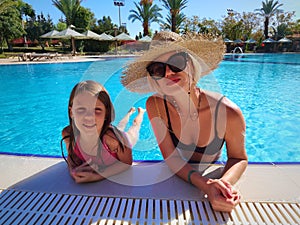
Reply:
x=173 y=80
x=88 y=114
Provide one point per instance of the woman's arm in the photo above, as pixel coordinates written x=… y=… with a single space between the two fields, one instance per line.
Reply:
x=235 y=144
x=220 y=194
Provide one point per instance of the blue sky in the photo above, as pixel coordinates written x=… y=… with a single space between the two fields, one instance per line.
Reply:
x=213 y=9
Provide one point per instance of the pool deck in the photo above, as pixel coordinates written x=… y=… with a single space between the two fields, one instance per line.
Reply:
x=38 y=190
x=261 y=182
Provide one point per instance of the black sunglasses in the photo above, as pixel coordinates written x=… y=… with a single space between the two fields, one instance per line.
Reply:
x=176 y=63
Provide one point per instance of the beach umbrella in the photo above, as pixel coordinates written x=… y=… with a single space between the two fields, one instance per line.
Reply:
x=146 y=39
x=49 y=34
x=250 y=41
x=238 y=41
x=269 y=40
x=105 y=37
x=226 y=40
x=284 y=40
x=70 y=34
x=123 y=37
x=91 y=35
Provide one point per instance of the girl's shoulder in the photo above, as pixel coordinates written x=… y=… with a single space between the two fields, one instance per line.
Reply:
x=66 y=131
x=115 y=138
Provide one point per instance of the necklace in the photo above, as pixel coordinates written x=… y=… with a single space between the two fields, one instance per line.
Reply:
x=192 y=116
x=195 y=115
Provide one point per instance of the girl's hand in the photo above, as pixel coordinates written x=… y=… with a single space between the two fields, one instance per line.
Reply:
x=85 y=173
x=222 y=195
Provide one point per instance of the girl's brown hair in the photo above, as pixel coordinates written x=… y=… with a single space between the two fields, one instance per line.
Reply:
x=98 y=90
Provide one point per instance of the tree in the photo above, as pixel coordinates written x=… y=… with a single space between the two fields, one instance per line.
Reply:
x=37 y=26
x=146 y=13
x=10 y=25
x=174 y=7
x=269 y=9
x=295 y=27
x=204 y=26
x=104 y=25
x=5 y=5
x=179 y=26
x=69 y=8
x=84 y=19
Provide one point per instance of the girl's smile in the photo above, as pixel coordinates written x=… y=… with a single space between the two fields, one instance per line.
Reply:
x=88 y=113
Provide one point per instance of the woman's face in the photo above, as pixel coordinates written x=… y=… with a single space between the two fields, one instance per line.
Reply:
x=173 y=80
x=88 y=114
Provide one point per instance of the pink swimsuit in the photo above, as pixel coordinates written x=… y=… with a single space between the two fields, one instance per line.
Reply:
x=105 y=158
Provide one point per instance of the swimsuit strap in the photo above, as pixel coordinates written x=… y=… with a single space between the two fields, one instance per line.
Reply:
x=216 y=115
x=168 y=116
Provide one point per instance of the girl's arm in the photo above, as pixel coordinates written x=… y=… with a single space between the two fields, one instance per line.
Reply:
x=90 y=172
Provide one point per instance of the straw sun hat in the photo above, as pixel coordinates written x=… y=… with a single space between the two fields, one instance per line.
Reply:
x=207 y=51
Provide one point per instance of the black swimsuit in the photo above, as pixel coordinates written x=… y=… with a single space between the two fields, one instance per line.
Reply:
x=212 y=148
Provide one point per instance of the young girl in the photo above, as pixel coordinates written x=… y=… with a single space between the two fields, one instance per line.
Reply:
x=96 y=149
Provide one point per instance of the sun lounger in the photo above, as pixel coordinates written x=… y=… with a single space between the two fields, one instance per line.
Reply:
x=39 y=56
x=20 y=56
x=52 y=197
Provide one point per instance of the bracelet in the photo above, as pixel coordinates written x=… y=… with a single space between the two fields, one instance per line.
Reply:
x=189 y=175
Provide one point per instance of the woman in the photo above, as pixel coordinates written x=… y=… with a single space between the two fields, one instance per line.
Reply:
x=190 y=124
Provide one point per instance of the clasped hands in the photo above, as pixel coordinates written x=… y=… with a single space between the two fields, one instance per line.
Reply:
x=86 y=172
x=222 y=195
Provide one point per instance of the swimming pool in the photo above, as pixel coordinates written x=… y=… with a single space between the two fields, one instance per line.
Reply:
x=34 y=98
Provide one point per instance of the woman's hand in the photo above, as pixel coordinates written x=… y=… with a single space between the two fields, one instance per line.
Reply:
x=85 y=173
x=222 y=195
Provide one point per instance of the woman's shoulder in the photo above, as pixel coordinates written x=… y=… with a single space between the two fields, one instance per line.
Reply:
x=154 y=99
x=155 y=105
x=215 y=98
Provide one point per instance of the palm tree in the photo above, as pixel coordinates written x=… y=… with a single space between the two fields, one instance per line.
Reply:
x=180 y=18
x=146 y=13
x=69 y=8
x=5 y=4
x=269 y=9
x=175 y=7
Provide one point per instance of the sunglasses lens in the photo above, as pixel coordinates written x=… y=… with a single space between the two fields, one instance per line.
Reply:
x=156 y=70
x=177 y=62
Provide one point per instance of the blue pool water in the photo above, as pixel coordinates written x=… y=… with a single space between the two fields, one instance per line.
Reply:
x=34 y=98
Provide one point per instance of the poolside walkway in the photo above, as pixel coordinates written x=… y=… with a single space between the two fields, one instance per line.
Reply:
x=39 y=58
x=261 y=182
x=41 y=190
